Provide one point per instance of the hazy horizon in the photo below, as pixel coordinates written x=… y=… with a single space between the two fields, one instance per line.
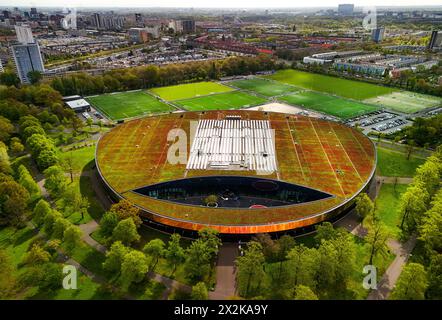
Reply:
x=200 y=4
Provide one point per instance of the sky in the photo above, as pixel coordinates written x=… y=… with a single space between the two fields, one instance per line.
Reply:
x=216 y=4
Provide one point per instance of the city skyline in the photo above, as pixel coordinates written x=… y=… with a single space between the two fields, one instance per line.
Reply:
x=224 y=5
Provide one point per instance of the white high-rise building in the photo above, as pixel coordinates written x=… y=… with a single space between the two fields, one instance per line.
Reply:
x=24 y=34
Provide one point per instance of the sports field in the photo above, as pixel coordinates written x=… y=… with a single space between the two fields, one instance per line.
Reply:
x=265 y=87
x=190 y=90
x=124 y=105
x=334 y=106
x=341 y=87
x=406 y=101
x=222 y=101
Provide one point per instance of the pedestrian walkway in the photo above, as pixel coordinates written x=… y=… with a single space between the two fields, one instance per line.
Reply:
x=391 y=275
x=225 y=272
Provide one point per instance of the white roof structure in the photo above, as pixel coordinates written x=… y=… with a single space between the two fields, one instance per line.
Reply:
x=77 y=104
x=233 y=144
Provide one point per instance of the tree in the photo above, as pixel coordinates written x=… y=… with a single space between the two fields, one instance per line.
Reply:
x=303 y=265
x=326 y=265
x=199 y=291
x=126 y=232
x=9 y=78
x=434 y=290
x=72 y=236
x=108 y=223
x=49 y=221
x=133 y=268
x=429 y=174
x=377 y=239
x=74 y=202
x=155 y=249
x=364 y=205
x=175 y=254
x=34 y=76
x=198 y=260
x=5 y=165
x=41 y=209
x=304 y=293
x=114 y=257
x=431 y=225
x=47 y=276
x=16 y=146
x=55 y=181
x=412 y=283
x=13 y=203
x=37 y=255
x=7 y=275
x=26 y=180
x=211 y=239
x=6 y=129
x=412 y=204
x=59 y=227
x=250 y=268
x=124 y=209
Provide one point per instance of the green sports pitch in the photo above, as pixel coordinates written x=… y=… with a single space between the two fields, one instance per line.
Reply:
x=341 y=87
x=406 y=101
x=221 y=101
x=338 y=107
x=117 y=106
x=264 y=87
x=190 y=90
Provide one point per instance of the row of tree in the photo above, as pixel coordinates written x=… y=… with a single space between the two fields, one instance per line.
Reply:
x=152 y=75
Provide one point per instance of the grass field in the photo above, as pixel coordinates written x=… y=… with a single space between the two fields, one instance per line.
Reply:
x=387 y=204
x=265 y=87
x=342 y=87
x=395 y=164
x=124 y=105
x=335 y=106
x=190 y=90
x=405 y=101
x=222 y=101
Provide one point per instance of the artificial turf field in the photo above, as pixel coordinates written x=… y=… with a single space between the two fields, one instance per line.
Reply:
x=334 y=106
x=221 y=101
x=341 y=87
x=124 y=105
x=265 y=87
x=190 y=90
x=405 y=101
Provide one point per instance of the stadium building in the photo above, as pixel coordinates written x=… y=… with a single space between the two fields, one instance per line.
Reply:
x=243 y=172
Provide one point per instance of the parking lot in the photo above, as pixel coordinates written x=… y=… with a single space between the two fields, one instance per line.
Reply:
x=380 y=121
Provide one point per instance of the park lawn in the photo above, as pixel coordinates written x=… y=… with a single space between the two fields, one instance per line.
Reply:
x=264 y=87
x=82 y=158
x=338 y=107
x=189 y=90
x=84 y=185
x=395 y=164
x=387 y=207
x=86 y=290
x=406 y=101
x=357 y=90
x=222 y=101
x=16 y=242
x=362 y=259
x=123 y=105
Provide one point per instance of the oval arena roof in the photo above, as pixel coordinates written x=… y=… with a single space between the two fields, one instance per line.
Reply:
x=322 y=155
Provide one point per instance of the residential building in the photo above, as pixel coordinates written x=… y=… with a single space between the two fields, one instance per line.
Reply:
x=346 y=9
x=377 y=34
x=435 y=40
x=27 y=58
x=138 y=35
x=188 y=26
